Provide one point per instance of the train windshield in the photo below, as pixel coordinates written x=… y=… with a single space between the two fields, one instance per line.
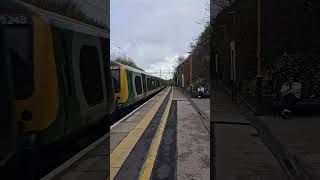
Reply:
x=116 y=80
x=16 y=42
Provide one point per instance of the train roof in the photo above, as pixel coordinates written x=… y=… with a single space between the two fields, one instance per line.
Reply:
x=133 y=69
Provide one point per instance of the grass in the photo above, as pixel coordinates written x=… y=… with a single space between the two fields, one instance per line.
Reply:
x=67 y=8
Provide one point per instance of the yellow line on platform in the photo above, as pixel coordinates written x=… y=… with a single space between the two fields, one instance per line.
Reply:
x=122 y=151
x=146 y=171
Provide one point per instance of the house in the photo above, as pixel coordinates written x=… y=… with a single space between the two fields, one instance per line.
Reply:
x=287 y=26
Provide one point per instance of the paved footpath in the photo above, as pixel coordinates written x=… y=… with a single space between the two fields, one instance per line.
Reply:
x=204 y=106
x=193 y=141
x=240 y=153
x=94 y=165
x=299 y=136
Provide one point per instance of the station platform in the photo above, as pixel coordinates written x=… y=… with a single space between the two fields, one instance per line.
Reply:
x=165 y=138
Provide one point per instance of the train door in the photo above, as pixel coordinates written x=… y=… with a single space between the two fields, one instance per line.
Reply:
x=89 y=79
x=16 y=77
x=138 y=85
x=8 y=129
x=108 y=79
x=149 y=85
x=144 y=83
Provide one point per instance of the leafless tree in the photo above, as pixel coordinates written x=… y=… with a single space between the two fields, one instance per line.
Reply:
x=180 y=59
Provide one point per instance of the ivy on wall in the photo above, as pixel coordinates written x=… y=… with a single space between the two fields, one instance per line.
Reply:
x=304 y=68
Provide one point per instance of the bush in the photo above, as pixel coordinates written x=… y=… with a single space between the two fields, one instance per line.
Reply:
x=305 y=68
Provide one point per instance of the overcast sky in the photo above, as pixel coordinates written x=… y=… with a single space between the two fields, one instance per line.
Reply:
x=155 y=33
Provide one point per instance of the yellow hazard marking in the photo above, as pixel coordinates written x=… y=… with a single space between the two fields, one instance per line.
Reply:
x=122 y=151
x=146 y=171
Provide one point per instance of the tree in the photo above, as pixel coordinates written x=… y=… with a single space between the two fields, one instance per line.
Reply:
x=180 y=59
x=127 y=61
x=222 y=3
x=69 y=8
x=201 y=56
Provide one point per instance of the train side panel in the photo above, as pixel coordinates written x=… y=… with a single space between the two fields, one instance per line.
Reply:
x=66 y=65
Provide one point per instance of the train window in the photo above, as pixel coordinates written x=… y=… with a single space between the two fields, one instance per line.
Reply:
x=90 y=75
x=144 y=83
x=149 y=84
x=116 y=79
x=153 y=84
x=20 y=55
x=158 y=83
x=137 y=82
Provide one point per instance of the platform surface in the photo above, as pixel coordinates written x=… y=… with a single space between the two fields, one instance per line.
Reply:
x=165 y=138
x=193 y=141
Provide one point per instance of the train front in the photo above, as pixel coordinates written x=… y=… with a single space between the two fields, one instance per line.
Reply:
x=17 y=74
x=120 y=83
x=26 y=49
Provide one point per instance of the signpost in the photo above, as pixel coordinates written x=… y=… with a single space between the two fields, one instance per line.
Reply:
x=259 y=75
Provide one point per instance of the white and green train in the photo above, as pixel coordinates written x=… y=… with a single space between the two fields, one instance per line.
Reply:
x=61 y=74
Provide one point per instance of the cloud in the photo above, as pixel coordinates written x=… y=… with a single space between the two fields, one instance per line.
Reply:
x=155 y=33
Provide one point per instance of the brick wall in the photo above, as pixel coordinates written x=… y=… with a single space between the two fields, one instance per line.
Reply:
x=286 y=26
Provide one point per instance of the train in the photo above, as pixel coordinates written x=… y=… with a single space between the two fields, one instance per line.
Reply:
x=63 y=80
x=132 y=85
x=61 y=72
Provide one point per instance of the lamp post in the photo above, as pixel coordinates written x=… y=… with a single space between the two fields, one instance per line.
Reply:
x=233 y=65
x=190 y=70
x=233 y=61
x=190 y=67
x=259 y=75
x=173 y=73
